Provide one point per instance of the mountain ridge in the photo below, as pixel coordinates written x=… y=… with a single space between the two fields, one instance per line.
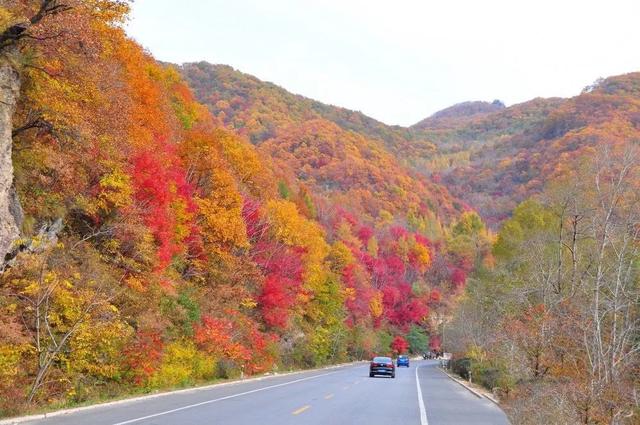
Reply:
x=458 y=146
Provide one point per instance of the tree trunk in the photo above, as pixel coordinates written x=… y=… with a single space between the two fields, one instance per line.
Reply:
x=10 y=211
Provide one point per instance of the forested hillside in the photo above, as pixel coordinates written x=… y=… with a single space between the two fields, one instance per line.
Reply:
x=159 y=247
x=550 y=317
x=493 y=161
x=552 y=326
x=490 y=157
x=167 y=225
x=257 y=108
x=260 y=109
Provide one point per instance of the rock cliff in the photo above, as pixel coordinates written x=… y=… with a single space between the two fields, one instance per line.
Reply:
x=10 y=211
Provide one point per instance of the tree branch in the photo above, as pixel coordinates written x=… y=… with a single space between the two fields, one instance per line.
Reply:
x=17 y=32
x=39 y=123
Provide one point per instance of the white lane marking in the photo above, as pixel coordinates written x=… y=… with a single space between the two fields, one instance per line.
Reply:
x=166 y=412
x=423 y=411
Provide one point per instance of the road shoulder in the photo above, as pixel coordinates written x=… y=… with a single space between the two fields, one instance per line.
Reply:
x=476 y=390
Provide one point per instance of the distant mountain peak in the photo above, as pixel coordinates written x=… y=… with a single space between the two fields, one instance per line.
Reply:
x=461 y=110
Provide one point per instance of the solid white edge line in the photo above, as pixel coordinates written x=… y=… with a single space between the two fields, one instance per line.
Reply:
x=462 y=384
x=130 y=421
x=423 y=411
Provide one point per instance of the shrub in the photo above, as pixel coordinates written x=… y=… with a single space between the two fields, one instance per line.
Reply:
x=227 y=369
x=461 y=367
x=182 y=364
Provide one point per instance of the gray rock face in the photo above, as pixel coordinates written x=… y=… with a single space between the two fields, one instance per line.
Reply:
x=10 y=211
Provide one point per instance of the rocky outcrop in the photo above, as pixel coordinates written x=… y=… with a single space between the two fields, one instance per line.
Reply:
x=46 y=237
x=10 y=211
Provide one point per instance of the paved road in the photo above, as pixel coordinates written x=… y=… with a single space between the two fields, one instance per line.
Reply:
x=336 y=396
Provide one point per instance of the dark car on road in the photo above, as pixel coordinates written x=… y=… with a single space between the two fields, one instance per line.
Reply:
x=382 y=366
x=403 y=361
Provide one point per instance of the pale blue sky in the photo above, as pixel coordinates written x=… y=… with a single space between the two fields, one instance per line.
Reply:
x=400 y=61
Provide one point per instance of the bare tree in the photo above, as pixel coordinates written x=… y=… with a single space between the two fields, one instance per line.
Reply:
x=574 y=256
x=42 y=285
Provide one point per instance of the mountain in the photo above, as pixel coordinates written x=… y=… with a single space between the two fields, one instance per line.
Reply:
x=333 y=150
x=457 y=111
x=469 y=149
x=489 y=157
x=496 y=160
x=257 y=109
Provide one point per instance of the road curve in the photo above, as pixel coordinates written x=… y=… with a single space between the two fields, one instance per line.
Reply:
x=420 y=394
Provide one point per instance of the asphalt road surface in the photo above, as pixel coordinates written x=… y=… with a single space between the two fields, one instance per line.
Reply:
x=420 y=394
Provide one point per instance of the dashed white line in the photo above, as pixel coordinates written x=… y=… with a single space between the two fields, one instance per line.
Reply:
x=166 y=412
x=423 y=411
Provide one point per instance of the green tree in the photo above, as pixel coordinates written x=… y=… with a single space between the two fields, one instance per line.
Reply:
x=418 y=340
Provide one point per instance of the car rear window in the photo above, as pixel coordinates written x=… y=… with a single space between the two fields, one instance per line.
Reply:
x=402 y=357
x=382 y=359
